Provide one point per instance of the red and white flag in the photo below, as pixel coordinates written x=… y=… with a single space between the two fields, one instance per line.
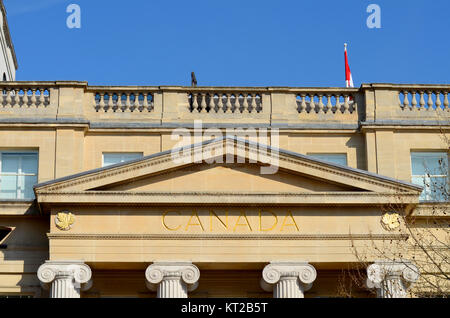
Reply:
x=348 y=73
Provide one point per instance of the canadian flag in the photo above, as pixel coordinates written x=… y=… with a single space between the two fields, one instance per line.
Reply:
x=348 y=73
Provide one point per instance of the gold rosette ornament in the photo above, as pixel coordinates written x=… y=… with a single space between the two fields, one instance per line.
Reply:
x=390 y=221
x=64 y=220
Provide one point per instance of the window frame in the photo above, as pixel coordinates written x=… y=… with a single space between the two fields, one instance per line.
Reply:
x=427 y=177
x=19 y=152
x=120 y=153
x=314 y=154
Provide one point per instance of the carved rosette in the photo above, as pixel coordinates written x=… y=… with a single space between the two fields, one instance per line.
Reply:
x=288 y=279
x=172 y=279
x=392 y=279
x=390 y=221
x=64 y=221
x=66 y=278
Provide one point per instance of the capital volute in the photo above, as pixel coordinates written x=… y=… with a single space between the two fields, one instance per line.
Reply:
x=276 y=271
x=187 y=272
x=77 y=271
x=381 y=270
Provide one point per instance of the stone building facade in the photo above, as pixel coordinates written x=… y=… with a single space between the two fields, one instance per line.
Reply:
x=169 y=191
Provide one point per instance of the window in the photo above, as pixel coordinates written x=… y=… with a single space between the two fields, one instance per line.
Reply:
x=430 y=170
x=338 y=158
x=4 y=233
x=116 y=157
x=18 y=175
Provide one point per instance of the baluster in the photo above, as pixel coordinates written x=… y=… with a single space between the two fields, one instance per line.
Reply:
x=17 y=97
x=438 y=101
x=422 y=100
x=430 y=100
x=219 y=103
x=119 y=101
x=338 y=103
x=346 y=103
x=127 y=102
x=194 y=101
x=212 y=104
x=405 y=100
x=8 y=97
x=414 y=100
x=145 y=104
x=29 y=97
x=312 y=105
x=227 y=103
x=245 y=103
x=101 y=103
x=33 y=96
x=136 y=103
x=237 y=104
x=303 y=103
x=202 y=102
x=42 y=96
x=109 y=104
x=254 y=101
x=446 y=103
x=329 y=105
x=321 y=106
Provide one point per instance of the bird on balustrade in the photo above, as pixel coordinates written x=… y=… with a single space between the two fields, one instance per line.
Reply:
x=193 y=80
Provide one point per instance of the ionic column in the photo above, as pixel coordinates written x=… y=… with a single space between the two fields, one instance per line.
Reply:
x=65 y=278
x=392 y=279
x=172 y=279
x=288 y=279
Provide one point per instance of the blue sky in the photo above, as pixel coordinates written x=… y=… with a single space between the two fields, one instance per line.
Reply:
x=231 y=43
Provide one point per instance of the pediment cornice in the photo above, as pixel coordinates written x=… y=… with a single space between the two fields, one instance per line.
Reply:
x=93 y=181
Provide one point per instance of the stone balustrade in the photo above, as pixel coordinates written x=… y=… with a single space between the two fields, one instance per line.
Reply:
x=221 y=101
x=269 y=106
x=326 y=102
x=25 y=96
x=424 y=99
x=123 y=101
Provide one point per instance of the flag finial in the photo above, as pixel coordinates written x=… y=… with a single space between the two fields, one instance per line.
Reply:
x=345 y=45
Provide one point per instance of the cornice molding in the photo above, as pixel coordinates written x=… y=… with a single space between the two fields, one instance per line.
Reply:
x=332 y=237
x=247 y=147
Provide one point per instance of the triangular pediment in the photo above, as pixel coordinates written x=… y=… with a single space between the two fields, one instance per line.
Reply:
x=226 y=165
x=222 y=177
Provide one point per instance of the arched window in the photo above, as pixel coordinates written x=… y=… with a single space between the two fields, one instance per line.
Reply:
x=4 y=77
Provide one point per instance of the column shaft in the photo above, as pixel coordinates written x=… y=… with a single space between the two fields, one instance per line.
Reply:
x=172 y=288
x=63 y=287
x=288 y=288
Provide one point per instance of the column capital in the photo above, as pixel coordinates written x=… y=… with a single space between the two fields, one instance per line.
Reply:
x=187 y=272
x=380 y=270
x=76 y=274
x=392 y=278
x=274 y=272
